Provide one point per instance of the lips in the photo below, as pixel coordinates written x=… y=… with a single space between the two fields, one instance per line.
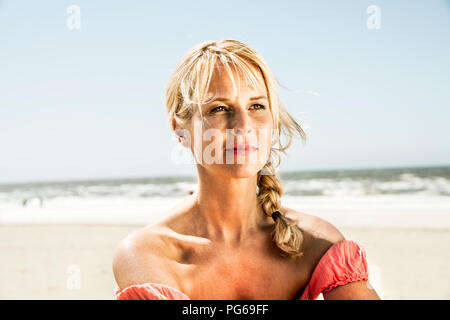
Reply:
x=241 y=149
x=244 y=148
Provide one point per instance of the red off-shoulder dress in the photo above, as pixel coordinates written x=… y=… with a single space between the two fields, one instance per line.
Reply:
x=344 y=262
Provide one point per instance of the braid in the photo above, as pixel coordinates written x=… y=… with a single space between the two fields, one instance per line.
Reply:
x=286 y=234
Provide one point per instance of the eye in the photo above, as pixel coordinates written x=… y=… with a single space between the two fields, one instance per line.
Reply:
x=217 y=109
x=259 y=106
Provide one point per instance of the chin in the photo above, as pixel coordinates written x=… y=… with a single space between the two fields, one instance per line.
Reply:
x=241 y=171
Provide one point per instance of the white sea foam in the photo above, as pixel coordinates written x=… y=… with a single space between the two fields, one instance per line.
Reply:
x=383 y=197
x=370 y=211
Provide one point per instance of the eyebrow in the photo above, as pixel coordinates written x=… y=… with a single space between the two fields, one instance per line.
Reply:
x=226 y=99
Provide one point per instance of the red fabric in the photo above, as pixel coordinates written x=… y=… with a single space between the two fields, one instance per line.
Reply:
x=344 y=262
x=150 y=291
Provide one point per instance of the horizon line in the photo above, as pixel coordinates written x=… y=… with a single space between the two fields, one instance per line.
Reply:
x=174 y=175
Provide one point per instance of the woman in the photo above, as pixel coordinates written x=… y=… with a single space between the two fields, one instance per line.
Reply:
x=232 y=239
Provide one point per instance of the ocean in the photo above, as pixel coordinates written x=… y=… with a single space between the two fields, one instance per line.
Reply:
x=145 y=199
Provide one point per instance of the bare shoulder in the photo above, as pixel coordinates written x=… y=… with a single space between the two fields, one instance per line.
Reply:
x=148 y=254
x=318 y=227
x=141 y=258
x=319 y=234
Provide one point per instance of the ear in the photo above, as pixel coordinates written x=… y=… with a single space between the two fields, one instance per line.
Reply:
x=173 y=124
x=176 y=130
x=183 y=133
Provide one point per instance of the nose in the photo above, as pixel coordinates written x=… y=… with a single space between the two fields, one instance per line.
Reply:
x=242 y=125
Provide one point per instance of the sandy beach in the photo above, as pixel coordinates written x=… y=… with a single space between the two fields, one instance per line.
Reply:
x=44 y=261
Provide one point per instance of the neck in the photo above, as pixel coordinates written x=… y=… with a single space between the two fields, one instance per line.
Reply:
x=228 y=208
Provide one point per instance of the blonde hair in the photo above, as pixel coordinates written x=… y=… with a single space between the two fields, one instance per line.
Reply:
x=187 y=87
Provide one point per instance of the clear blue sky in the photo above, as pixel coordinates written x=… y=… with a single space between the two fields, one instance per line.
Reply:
x=89 y=103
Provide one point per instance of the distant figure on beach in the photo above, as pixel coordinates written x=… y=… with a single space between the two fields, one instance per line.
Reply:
x=26 y=201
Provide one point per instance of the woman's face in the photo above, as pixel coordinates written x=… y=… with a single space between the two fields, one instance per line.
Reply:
x=234 y=136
